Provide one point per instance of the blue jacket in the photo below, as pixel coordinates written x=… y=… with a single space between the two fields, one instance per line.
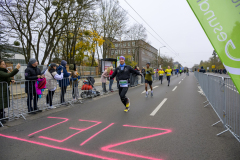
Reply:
x=65 y=82
x=74 y=81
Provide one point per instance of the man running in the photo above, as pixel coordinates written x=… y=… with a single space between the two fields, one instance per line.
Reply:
x=148 y=79
x=177 y=70
x=123 y=74
x=168 y=72
x=161 y=73
x=180 y=71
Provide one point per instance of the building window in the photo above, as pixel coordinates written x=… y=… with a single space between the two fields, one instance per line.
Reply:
x=129 y=44
x=129 y=51
x=133 y=43
x=112 y=52
x=116 y=51
x=124 y=44
x=116 y=45
x=124 y=51
x=133 y=50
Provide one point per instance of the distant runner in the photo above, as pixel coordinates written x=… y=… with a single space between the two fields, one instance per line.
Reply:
x=180 y=71
x=177 y=70
x=168 y=73
x=123 y=74
x=148 y=79
x=161 y=73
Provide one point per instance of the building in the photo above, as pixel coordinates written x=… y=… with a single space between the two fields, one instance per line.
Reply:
x=16 y=54
x=139 y=50
x=176 y=65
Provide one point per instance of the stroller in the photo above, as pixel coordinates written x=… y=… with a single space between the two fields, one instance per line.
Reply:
x=89 y=91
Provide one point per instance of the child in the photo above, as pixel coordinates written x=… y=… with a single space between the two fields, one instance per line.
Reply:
x=74 y=81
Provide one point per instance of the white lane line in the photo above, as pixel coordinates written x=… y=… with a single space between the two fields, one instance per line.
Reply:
x=149 y=89
x=174 y=88
x=180 y=82
x=158 y=107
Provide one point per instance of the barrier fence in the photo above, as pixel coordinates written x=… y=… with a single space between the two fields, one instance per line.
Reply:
x=224 y=98
x=29 y=97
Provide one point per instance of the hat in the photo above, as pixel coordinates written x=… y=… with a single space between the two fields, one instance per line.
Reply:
x=122 y=57
x=149 y=63
x=63 y=63
x=71 y=67
x=53 y=65
x=32 y=60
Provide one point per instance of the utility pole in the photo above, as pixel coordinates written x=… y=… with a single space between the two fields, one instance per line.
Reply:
x=159 y=56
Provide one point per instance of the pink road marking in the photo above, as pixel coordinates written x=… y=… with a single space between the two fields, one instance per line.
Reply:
x=59 y=148
x=80 y=130
x=51 y=125
x=96 y=134
x=108 y=148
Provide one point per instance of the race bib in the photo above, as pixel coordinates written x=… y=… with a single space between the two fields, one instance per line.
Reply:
x=123 y=83
x=168 y=72
x=161 y=74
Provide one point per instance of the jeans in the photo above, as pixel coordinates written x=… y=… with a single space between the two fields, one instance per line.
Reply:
x=110 y=84
x=63 y=91
x=31 y=97
x=104 y=87
x=49 y=97
x=122 y=94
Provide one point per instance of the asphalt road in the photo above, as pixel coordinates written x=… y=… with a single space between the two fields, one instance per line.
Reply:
x=171 y=125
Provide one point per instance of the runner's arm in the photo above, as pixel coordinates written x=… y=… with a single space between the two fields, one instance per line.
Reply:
x=134 y=71
x=114 y=74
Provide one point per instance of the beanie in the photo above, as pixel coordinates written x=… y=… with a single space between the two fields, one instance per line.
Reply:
x=63 y=63
x=32 y=60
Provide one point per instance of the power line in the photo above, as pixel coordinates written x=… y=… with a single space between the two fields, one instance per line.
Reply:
x=150 y=26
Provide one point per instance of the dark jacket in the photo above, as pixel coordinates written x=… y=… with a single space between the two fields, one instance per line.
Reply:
x=31 y=74
x=65 y=82
x=4 y=91
x=202 y=70
x=124 y=74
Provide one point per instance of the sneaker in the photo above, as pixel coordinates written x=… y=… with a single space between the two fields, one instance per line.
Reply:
x=128 y=103
x=127 y=109
x=51 y=107
x=146 y=95
x=151 y=94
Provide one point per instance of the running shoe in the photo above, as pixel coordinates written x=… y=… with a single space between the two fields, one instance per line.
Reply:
x=127 y=109
x=128 y=103
x=146 y=94
x=151 y=94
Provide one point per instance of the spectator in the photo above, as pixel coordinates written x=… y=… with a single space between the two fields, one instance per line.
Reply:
x=65 y=81
x=224 y=71
x=32 y=73
x=143 y=72
x=74 y=81
x=4 y=91
x=104 y=77
x=52 y=76
x=136 y=76
x=202 y=70
x=111 y=80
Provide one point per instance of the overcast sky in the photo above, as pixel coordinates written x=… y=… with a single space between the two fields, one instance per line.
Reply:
x=177 y=25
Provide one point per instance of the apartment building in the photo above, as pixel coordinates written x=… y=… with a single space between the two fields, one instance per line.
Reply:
x=139 y=50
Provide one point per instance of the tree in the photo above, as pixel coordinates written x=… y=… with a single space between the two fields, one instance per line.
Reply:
x=129 y=61
x=112 y=20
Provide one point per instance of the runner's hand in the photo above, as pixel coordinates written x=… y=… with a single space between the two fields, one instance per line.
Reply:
x=13 y=81
x=18 y=66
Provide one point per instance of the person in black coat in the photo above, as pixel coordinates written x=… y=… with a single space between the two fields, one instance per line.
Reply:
x=32 y=73
x=202 y=70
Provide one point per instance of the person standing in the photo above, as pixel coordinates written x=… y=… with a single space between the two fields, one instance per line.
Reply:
x=148 y=78
x=65 y=81
x=161 y=74
x=52 y=76
x=123 y=73
x=168 y=73
x=111 y=80
x=32 y=73
x=74 y=81
x=104 y=77
x=5 y=79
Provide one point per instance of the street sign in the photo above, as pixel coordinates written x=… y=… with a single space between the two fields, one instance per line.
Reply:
x=221 y=22
x=213 y=66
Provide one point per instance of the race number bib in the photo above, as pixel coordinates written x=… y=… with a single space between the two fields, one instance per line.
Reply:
x=161 y=74
x=123 y=83
x=168 y=72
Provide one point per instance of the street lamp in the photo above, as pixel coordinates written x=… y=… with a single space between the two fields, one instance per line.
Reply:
x=159 y=55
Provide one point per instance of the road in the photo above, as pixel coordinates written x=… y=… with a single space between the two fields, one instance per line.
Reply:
x=171 y=125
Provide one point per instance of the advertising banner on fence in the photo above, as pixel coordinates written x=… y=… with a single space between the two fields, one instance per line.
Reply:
x=220 y=19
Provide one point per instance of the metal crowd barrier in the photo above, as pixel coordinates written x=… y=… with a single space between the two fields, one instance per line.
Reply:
x=224 y=98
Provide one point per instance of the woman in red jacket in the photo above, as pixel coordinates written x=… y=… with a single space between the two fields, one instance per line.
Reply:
x=111 y=80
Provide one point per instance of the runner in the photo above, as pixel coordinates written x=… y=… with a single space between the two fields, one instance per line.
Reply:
x=168 y=71
x=123 y=74
x=187 y=72
x=161 y=73
x=177 y=70
x=148 y=78
x=180 y=71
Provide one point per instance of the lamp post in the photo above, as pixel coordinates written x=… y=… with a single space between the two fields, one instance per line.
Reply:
x=159 y=55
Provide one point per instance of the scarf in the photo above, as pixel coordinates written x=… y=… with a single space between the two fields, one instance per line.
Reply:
x=122 y=66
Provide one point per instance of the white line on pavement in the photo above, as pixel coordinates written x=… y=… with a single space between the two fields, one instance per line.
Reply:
x=149 y=89
x=174 y=88
x=180 y=82
x=158 y=107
